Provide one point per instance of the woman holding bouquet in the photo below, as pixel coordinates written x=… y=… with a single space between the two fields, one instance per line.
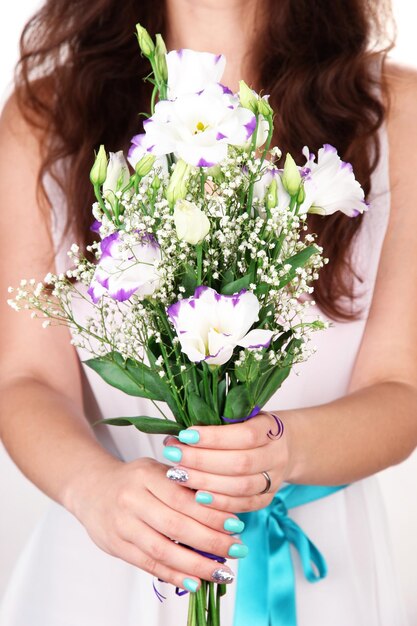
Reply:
x=350 y=414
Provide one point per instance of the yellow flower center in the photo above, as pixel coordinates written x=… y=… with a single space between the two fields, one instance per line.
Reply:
x=200 y=128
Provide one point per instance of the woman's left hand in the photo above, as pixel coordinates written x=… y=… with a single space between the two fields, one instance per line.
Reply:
x=224 y=465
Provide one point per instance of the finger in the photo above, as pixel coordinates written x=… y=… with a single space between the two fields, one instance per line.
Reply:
x=133 y=555
x=184 y=529
x=253 y=433
x=183 y=500
x=225 y=462
x=159 y=551
x=227 y=485
x=236 y=505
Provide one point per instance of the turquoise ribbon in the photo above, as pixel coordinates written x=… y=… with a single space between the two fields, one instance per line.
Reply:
x=265 y=594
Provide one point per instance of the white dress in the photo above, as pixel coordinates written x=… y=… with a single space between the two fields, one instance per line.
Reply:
x=63 y=579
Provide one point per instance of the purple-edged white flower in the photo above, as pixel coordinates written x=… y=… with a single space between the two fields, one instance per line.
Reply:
x=139 y=149
x=199 y=127
x=330 y=185
x=210 y=326
x=191 y=72
x=123 y=271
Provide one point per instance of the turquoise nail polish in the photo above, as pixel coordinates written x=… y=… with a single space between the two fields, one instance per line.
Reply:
x=234 y=525
x=173 y=454
x=204 y=498
x=238 y=550
x=190 y=584
x=189 y=436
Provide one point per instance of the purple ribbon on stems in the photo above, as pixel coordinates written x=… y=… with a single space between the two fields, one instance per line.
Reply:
x=253 y=413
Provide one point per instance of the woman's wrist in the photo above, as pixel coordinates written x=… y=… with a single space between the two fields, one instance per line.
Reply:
x=88 y=477
x=291 y=421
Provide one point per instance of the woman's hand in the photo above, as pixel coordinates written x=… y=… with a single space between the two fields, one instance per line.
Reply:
x=133 y=512
x=224 y=464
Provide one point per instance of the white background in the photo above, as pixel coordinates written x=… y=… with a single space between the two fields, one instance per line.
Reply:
x=21 y=504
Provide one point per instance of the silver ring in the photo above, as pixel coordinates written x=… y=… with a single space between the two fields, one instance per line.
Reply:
x=268 y=483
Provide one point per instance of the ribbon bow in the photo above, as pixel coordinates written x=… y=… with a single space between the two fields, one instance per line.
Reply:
x=265 y=594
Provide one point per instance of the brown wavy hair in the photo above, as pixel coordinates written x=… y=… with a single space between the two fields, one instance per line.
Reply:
x=79 y=78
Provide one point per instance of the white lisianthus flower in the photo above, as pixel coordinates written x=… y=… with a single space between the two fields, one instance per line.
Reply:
x=199 y=127
x=210 y=326
x=191 y=224
x=117 y=176
x=191 y=72
x=120 y=273
x=330 y=185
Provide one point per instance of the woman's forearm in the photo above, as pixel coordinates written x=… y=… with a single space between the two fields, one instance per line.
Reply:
x=48 y=438
x=352 y=437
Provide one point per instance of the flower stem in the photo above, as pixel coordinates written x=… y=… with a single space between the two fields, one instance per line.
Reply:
x=191 y=620
x=207 y=394
x=201 y=598
x=214 y=389
x=199 y=252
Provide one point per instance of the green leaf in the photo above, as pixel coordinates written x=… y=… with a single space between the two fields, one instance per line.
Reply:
x=228 y=277
x=200 y=412
x=262 y=289
x=237 y=285
x=133 y=378
x=270 y=383
x=189 y=280
x=221 y=395
x=238 y=403
x=151 y=425
x=298 y=260
x=248 y=372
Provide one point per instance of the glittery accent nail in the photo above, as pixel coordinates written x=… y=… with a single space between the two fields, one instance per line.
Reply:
x=224 y=576
x=177 y=474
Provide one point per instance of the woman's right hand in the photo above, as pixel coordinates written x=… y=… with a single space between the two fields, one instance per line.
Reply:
x=135 y=513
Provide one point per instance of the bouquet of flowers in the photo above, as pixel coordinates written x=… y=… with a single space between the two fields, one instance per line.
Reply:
x=200 y=291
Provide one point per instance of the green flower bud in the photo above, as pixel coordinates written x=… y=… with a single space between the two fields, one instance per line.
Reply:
x=264 y=108
x=145 y=42
x=272 y=195
x=291 y=177
x=98 y=172
x=160 y=59
x=156 y=183
x=248 y=98
x=301 y=195
x=177 y=188
x=144 y=166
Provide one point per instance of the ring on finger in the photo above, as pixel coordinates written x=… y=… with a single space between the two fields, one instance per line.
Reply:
x=268 y=483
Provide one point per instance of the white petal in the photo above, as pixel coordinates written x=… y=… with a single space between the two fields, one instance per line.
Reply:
x=193 y=347
x=222 y=357
x=238 y=313
x=190 y=71
x=257 y=338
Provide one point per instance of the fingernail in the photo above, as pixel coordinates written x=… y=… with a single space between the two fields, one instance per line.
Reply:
x=203 y=497
x=234 y=525
x=238 y=550
x=189 y=436
x=223 y=576
x=177 y=474
x=173 y=454
x=190 y=585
